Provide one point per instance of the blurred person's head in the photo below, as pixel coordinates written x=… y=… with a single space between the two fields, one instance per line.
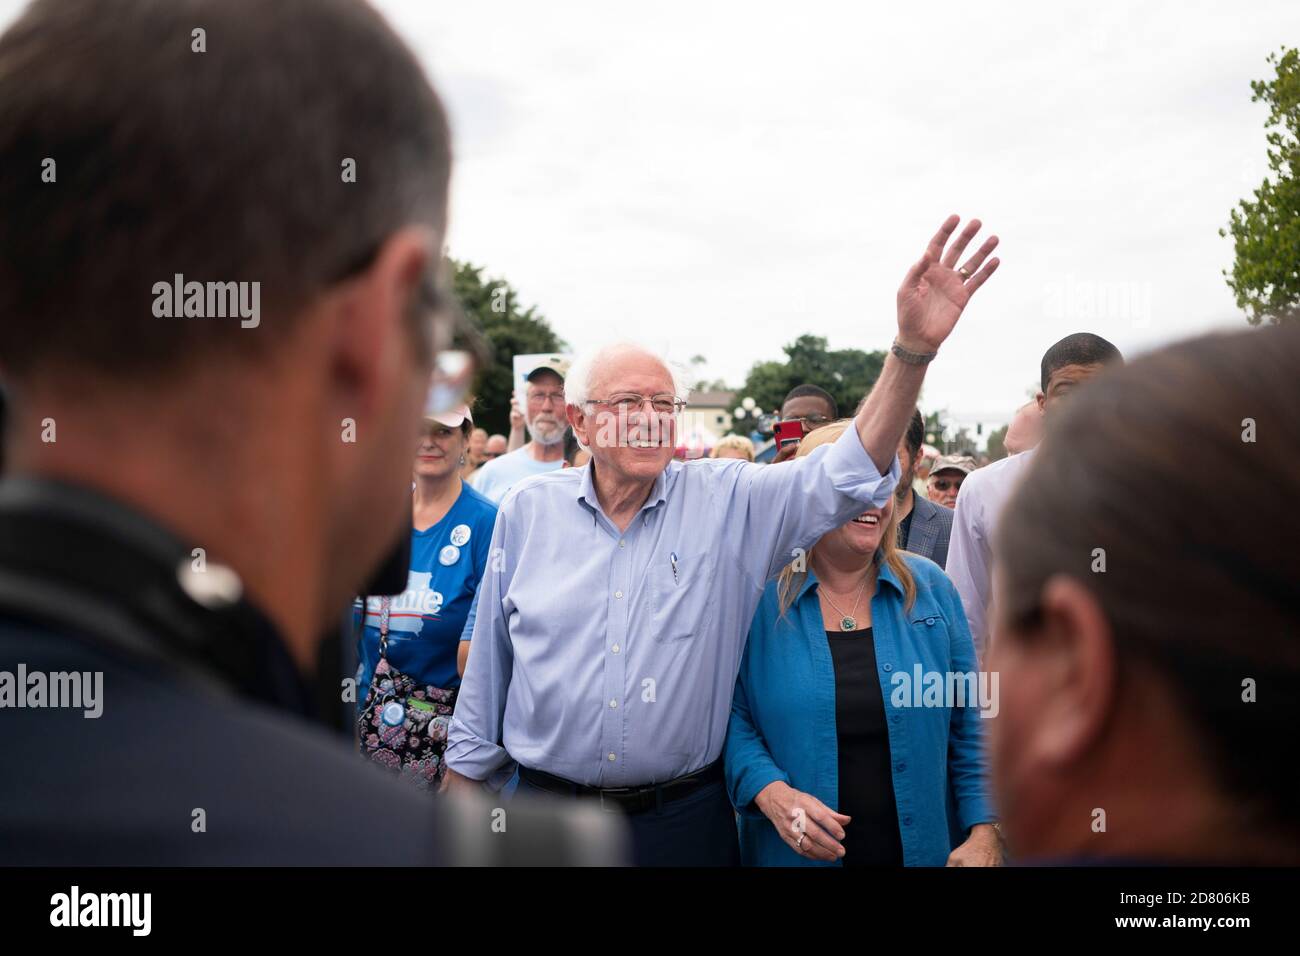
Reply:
x=1071 y=362
x=280 y=439
x=870 y=537
x=733 y=446
x=622 y=402
x=496 y=447
x=544 y=407
x=477 y=444
x=946 y=476
x=1025 y=430
x=1147 y=644
x=810 y=404
x=444 y=440
x=909 y=455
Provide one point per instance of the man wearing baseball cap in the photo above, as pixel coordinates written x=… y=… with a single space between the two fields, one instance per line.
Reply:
x=545 y=419
x=946 y=477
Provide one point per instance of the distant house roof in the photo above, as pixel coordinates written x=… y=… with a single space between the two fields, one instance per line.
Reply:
x=713 y=399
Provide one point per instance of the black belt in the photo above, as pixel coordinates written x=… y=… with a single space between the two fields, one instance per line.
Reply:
x=627 y=799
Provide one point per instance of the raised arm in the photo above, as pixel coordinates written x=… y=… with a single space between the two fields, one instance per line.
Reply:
x=781 y=510
x=930 y=301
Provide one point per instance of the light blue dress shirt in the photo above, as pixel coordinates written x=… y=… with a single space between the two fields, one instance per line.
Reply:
x=610 y=659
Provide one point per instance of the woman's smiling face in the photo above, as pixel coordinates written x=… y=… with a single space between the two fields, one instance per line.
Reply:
x=859 y=537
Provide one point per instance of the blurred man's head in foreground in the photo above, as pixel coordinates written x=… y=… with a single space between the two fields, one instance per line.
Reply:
x=1146 y=632
x=221 y=220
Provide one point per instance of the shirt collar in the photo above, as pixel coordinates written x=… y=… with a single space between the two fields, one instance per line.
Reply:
x=587 y=489
x=885 y=575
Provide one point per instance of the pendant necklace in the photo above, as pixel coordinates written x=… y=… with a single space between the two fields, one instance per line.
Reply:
x=847 y=621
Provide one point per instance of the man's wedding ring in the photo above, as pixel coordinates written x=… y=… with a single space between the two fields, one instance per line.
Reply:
x=963 y=272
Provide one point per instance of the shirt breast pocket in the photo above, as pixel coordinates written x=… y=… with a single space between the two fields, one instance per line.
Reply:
x=931 y=629
x=681 y=596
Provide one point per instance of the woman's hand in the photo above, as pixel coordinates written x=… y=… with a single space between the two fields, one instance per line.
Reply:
x=935 y=291
x=810 y=827
x=982 y=848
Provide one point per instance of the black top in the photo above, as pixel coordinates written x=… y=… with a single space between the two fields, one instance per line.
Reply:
x=905 y=526
x=866 y=781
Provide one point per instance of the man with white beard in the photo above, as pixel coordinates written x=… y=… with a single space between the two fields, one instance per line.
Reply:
x=544 y=416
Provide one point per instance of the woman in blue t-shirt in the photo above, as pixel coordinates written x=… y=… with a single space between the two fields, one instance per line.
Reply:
x=405 y=702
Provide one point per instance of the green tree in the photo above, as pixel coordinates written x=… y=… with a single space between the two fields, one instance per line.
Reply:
x=1266 y=231
x=492 y=305
x=847 y=374
x=998 y=443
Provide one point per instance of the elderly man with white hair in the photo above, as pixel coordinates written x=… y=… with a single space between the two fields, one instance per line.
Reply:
x=618 y=596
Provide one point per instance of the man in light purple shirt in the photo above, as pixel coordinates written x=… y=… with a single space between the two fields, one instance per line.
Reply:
x=985 y=492
x=613 y=614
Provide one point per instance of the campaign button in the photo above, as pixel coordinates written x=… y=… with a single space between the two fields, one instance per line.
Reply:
x=460 y=535
x=394 y=714
x=449 y=555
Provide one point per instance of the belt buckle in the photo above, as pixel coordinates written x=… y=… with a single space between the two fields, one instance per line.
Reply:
x=615 y=790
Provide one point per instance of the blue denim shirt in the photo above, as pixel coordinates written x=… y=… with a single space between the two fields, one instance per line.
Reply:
x=783 y=717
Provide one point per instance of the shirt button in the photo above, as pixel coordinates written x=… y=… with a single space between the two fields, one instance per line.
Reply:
x=614 y=648
x=907 y=821
x=621 y=543
x=618 y=594
x=612 y=758
x=895 y=718
x=888 y=668
x=901 y=766
x=613 y=703
x=930 y=621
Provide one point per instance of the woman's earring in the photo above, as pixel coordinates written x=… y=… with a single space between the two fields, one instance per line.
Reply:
x=462 y=459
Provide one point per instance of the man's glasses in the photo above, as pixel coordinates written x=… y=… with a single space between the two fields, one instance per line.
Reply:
x=943 y=484
x=541 y=398
x=664 y=403
x=443 y=329
x=810 y=421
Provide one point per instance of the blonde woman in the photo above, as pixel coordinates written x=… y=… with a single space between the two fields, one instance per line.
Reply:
x=832 y=757
x=733 y=446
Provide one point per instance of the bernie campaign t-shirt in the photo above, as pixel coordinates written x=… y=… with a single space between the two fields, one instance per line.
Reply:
x=425 y=621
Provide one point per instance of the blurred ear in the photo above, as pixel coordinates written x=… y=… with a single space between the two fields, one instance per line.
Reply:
x=1039 y=399
x=1075 y=659
x=371 y=342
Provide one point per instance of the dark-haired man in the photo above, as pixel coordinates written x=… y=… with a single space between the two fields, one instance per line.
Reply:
x=811 y=405
x=191 y=500
x=1065 y=366
x=923 y=526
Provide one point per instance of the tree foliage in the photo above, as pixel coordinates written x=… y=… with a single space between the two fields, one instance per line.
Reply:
x=997 y=448
x=1266 y=230
x=492 y=305
x=847 y=374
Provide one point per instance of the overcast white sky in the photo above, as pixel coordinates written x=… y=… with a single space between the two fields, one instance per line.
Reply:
x=721 y=177
x=718 y=178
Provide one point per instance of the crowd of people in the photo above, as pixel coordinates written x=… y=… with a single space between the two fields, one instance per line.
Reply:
x=856 y=655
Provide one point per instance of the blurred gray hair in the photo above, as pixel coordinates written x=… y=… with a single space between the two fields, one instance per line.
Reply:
x=577 y=384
